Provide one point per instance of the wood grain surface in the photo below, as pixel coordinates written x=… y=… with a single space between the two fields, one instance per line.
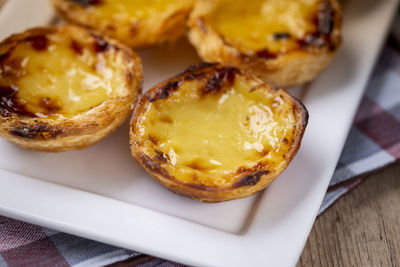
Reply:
x=361 y=229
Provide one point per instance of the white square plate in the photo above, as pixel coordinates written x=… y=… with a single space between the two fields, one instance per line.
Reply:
x=102 y=194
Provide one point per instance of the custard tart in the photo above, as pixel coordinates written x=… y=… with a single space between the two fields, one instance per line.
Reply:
x=284 y=42
x=216 y=133
x=65 y=88
x=137 y=23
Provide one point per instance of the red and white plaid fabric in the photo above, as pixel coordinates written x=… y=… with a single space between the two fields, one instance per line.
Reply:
x=374 y=139
x=373 y=143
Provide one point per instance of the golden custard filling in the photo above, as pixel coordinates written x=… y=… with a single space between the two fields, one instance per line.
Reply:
x=56 y=75
x=204 y=139
x=133 y=10
x=257 y=25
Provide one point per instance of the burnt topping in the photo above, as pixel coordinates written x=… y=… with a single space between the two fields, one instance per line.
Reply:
x=87 y=3
x=129 y=77
x=164 y=91
x=325 y=18
x=76 y=47
x=281 y=36
x=161 y=156
x=16 y=62
x=9 y=104
x=266 y=54
x=152 y=166
x=217 y=78
x=251 y=179
x=312 y=40
x=100 y=44
x=49 y=105
x=153 y=139
x=324 y=21
x=194 y=71
x=40 y=131
x=3 y=57
x=166 y=119
x=264 y=152
x=197 y=71
x=221 y=77
x=38 y=42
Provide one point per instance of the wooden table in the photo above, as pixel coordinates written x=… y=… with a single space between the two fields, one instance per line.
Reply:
x=361 y=229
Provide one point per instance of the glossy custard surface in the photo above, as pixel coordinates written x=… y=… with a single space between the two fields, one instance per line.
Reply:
x=132 y=10
x=206 y=139
x=56 y=75
x=256 y=25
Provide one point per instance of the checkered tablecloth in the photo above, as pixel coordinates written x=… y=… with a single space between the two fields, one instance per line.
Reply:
x=373 y=143
x=374 y=139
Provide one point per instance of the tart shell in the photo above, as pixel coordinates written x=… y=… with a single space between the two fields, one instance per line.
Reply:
x=58 y=133
x=249 y=181
x=165 y=27
x=281 y=70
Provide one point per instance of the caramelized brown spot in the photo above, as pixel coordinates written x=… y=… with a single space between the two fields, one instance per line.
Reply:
x=164 y=91
x=251 y=179
x=276 y=103
x=312 y=40
x=221 y=77
x=153 y=139
x=265 y=53
x=281 y=36
x=40 y=131
x=192 y=77
x=12 y=68
x=76 y=47
x=216 y=80
x=134 y=29
x=195 y=71
x=286 y=141
x=152 y=166
x=325 y=18
x=3 y=57
x=264 y=152
x=161 y=156
x=196 y=165
x=9 y=104
x=324 y=21
x=246 y=122
x=100 y=44
x=111 y=28
x=38 y=42
x=195 y=178
x=243 y=170
x=87 y=3
x=129 y=77
x=49 y=105
x=252 y=89
x=166 y=119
